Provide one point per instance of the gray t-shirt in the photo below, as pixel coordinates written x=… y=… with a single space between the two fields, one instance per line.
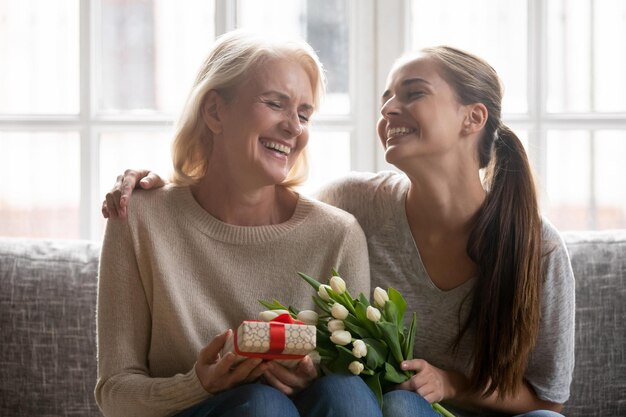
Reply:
x=378 y=203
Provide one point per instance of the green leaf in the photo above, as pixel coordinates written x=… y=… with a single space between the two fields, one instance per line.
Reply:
x=363 y=300
x=409 y=342
x=390 y=336
x=391 y=313
x=376 y=353
x=392 y=375
x=336 y=297
x=322 y=336
x=342 y=361
x=321 y=304
x=334 y=272
x=400 y=303
x=326 y=353
x=274 y=305
x=360 y=311
x=356 y=328
x=312 y=281
x=374 y=383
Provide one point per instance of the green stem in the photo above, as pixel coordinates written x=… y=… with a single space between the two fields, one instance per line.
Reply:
x=348 y=303
x=441 y=410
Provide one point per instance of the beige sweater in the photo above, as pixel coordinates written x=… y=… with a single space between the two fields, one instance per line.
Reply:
x=172 y=277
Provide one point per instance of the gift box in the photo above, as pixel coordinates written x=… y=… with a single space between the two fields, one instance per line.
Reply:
x=282 y=338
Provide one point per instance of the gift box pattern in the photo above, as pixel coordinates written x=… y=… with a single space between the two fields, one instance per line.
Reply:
x=255 y=337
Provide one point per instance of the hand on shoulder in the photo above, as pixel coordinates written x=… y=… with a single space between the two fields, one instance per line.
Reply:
x=116 y=201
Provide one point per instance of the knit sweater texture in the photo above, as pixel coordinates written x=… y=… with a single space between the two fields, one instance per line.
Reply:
x=172 y=277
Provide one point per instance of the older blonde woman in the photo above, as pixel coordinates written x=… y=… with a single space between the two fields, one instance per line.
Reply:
x=192 y=259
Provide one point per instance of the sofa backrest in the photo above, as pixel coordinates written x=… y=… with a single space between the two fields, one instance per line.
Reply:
x=47 y=323
x=599 y=263
x=47 y=320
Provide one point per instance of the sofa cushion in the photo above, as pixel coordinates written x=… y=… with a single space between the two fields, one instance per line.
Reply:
x=48 y=349
x=47 y=320
x=599 y=263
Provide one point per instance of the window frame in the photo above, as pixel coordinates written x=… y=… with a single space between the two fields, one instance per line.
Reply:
x=538 y=121
x=380 y=32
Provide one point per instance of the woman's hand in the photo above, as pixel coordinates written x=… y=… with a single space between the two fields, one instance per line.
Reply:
x=216 y=373
x=116 y=200
x=291 y=381
x=432 y=383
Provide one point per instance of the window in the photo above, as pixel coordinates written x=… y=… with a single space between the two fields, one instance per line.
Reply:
x=94 y=86
x=562 y=63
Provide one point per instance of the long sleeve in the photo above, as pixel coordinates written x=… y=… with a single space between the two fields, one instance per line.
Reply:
x=125 y=386
x=551 y=363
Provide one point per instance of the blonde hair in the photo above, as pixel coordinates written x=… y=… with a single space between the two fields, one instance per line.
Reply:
x=232 y=57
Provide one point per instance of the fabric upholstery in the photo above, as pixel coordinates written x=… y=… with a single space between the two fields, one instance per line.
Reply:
x=47 y=324
x=599 y=383
x=47 y=320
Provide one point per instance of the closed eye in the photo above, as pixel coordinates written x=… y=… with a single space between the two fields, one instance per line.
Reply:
x=303 y=118
x=274 y=104
x=415 y=94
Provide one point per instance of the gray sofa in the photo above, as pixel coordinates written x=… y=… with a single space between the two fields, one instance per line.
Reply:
x=47 y=320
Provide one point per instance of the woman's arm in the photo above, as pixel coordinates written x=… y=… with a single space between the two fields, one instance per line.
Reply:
x=525 y=400
x=125 y=385
x=437 y=385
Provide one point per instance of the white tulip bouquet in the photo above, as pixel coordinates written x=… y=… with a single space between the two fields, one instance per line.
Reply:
x=354 y=336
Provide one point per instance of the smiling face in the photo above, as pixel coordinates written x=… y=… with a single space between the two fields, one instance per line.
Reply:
x=264 y=127
x=420 y=114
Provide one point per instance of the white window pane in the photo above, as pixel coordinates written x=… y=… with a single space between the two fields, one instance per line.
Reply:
x=122 y=150
x=139 y=150
x=325 y=24
x=495 y=30
x=150 y=52
x=39 y=57
x=585 y=76
x=568 y=179
x=39 y=184
x=585 y=179
x=610 y=56
x=568 y=56
x=610 y=179
x=329 y=159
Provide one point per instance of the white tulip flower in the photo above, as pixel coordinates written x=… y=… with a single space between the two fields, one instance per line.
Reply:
x=339 y=311
x=359 y=349
x=373 y=314
x=380 y=297
x=341 y=337
x=267 y=315
x=356 y=367
x=334 y=325
x=338 y=284
x=323 y=293
x=308 y=317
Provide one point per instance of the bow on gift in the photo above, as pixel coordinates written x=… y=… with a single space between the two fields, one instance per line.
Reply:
x=277 y=340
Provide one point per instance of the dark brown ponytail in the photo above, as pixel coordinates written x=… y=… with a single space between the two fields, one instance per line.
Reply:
x=505 y=242
x=506 y=245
